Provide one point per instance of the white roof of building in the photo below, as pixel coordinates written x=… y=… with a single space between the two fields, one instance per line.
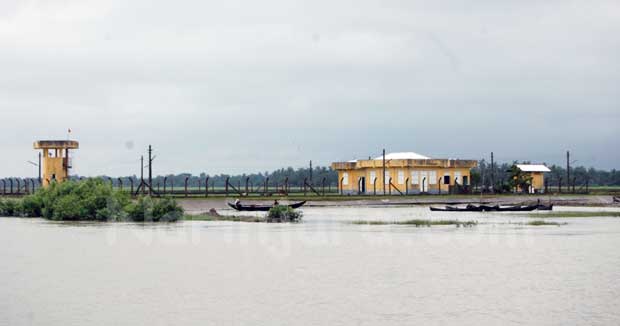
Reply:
x=533 y=168
x=403 y=156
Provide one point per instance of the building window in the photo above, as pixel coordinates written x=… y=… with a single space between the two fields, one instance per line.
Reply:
x=415 y=178
x=345 y=179
x=401 y=177
x=433 y=178
x=386 y=177
x=465 y=181
x=446 y=179
x=373 y=177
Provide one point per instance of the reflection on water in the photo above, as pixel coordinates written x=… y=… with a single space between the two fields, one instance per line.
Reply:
x=323 y=271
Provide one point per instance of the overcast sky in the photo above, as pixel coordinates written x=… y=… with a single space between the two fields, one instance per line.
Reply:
x=243 y=86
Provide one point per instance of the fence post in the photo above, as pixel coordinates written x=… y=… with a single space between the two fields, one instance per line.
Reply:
x=3 y=187
x=407 y=186
x=186 y=179
x=340 y=184
x=18 y=186
x=374 y=187
x=323 y=186
x=131 y=181
x=207 y=187
x=267 y=186
x=227 y=178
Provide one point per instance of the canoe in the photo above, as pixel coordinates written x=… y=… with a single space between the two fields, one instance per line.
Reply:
x=519 y=208
x=497 y=208
x=469 y=208
x=544 y=207
x=261 y=208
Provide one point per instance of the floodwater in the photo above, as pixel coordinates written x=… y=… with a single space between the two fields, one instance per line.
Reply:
x=320 y=272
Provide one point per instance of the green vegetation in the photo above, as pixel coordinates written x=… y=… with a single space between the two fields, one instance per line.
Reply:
x=213 y=218
x=278 y=214
x=419 y=223
x=543 y=223
x=573 y=214
x=90 y=200
x=282 y=213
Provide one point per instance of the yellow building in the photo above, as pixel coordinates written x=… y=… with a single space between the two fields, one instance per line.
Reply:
x=406 y=173
x=56 y=160
x=537 y=173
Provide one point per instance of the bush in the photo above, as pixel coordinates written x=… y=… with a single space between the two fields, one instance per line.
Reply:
x=280 y=213
x=32 y=206
x=92 y=199
x=9 y=207
x=167 y=210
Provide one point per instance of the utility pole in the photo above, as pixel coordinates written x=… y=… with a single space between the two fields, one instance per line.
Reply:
x=384 y=172
x=142 y=172
x=39 y=167
x=568 y=169
x=150 y=169
x=492 y=173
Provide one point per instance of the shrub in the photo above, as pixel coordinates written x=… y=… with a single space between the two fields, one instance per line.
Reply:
x=141 y=210
x=167 y=210
x=9 y=208
x=280 y=213
x=92 y=199
x=32 y=206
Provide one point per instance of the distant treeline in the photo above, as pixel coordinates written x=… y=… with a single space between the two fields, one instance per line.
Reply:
x=482 y=175
x=580 y=176
x=295 y=178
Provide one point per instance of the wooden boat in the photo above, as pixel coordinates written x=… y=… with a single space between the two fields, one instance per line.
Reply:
x=261 y=208
x=468 y=208
x=544 y=207
x=518 y=208
x=616 y=199
x=497 y=208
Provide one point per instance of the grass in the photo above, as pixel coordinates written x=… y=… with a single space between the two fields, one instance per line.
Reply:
x=543 y=223
x=213 y=218
x=573 y=214
x=419 y=223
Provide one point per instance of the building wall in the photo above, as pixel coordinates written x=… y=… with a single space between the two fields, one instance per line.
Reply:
x=53 y=168
x=403 y=179
x=538 y=181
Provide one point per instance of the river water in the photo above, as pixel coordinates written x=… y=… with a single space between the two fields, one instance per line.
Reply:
x=323 y=271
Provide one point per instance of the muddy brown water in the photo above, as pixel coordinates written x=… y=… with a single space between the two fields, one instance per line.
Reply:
x=323 y=271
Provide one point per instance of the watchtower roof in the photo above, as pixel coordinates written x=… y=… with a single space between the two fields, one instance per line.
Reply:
x=56 y=144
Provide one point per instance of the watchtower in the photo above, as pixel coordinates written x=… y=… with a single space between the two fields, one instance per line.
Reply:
x=56 y=161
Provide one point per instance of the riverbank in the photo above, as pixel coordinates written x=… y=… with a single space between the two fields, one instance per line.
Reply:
x=196 y=206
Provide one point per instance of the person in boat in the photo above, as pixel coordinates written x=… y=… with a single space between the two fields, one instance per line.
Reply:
x=238 y=203
x=276 y=203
